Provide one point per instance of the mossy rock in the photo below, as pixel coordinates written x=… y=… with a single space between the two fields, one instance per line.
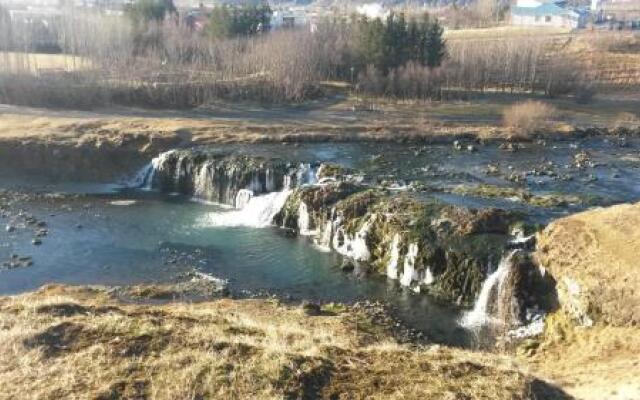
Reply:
x=549 y=200
x=331 y=170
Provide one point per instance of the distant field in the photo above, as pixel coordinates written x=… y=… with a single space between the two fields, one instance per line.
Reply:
x=37 y=63
x=503 y=32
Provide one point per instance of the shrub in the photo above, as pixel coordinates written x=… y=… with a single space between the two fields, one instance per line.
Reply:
x=529 y=117
x=626 y=120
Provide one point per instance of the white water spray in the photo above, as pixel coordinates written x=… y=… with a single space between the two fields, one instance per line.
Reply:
x=143 y=179
x=490 y=292
x=392 y=266
x=258 y=212
x=243 y=198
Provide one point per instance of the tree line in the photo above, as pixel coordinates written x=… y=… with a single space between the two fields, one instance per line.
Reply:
x=231 y=21
x=394 y=42
x=153 y=57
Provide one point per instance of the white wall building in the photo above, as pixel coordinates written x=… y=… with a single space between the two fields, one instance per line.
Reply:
x=549 y=13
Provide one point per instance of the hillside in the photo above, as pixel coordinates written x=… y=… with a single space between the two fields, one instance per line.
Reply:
x=64 y=342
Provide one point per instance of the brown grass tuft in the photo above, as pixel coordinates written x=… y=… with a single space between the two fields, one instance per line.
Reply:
x=529 y=117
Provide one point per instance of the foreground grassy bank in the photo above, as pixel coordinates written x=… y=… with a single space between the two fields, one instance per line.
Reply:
x=73 y=342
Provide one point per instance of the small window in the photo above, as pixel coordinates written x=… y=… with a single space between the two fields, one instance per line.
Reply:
x=547 y=18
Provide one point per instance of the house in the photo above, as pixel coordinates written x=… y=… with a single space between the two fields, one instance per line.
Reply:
x=549 y=13
x=284 y=18
x=622 y=12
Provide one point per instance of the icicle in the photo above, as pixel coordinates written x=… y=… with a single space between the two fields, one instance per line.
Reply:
x=392 y=265
x=409 y=274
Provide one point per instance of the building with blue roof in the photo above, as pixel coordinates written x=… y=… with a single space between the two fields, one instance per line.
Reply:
x=549 y=13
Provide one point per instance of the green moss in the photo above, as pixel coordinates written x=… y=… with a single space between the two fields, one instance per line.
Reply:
x=331 y=170
x=550 y=200
x=335 y=308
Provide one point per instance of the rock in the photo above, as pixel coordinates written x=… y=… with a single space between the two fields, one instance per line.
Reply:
x=529 y=347
x=36 y=242
x=10 y=228
x=311 y=309
x=471 y=148
x=457 y=145
x=492 y=169
x=582 y=160
x=347 y=265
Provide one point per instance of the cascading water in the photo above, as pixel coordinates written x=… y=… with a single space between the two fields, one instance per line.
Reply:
x=490 y=306
x=392 y=266
x=220 y=178
x=258 y=212
x=243 y=198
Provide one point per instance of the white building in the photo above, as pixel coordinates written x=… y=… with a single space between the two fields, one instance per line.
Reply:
x=289 y=18
x=373 y=11
x=549 y=13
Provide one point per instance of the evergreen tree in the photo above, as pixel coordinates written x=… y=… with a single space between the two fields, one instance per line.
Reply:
x=371 y=43
x=414 y=37
x=220 y=23
x=142 y=11
x=435 y=45
x=228 y=21
x=393 y=43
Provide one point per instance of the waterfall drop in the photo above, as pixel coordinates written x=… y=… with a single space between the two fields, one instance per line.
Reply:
x=392 y=266
x=258 y=212
x=489 y=308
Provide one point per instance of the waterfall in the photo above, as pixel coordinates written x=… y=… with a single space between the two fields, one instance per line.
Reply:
x=323 y=239
x=219 y=178
x=354 y=247
x=304 y=221
x=410 y=274
x=142 y=179
x=490 y=304
x=258 y=212
x=243 y=198
x=392 y=266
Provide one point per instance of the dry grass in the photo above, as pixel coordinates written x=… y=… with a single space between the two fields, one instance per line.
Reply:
x=37 y=63
x=502 y=32
x=591 y=364
x=598 y=250
x=529 y=117
x=64 y=342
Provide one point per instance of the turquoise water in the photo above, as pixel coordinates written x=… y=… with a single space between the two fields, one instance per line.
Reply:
x=97 y=239
x=161 y=238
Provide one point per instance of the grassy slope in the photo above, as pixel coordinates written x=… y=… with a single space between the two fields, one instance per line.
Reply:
x=598 y=250
x=63 y=342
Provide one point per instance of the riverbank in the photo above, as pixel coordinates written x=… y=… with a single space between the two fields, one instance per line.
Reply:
x=590 y=346
x=332 y=119
x=77 y=341
x=128 y=348
x=109 y=143
x=61 y=341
